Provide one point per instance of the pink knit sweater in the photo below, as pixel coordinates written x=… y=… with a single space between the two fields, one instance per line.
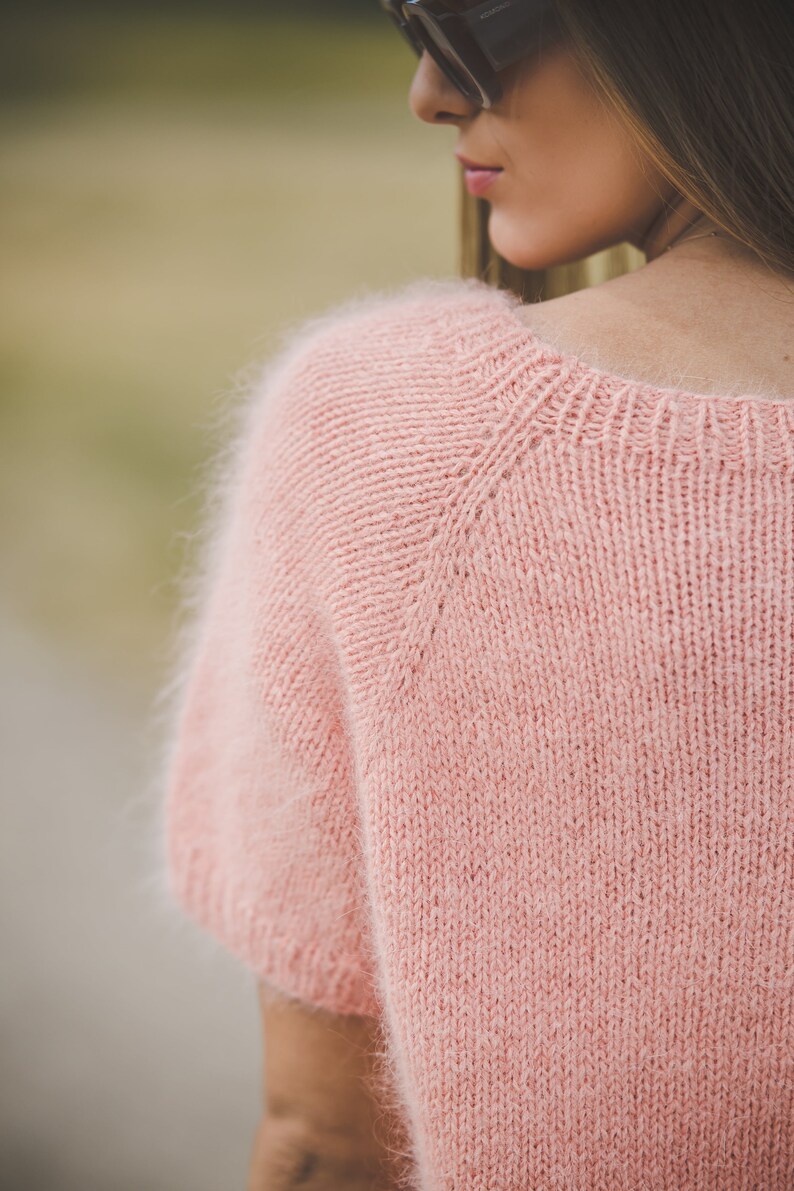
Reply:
x=485 y=726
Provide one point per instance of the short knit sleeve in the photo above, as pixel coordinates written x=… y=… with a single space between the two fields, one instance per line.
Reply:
x=262 y=833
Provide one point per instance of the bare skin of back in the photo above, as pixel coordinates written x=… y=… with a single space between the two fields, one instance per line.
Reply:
x=701 y=319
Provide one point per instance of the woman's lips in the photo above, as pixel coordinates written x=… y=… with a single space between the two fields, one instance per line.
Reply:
x=468 y=164
x=478 y=176
x=478 y=181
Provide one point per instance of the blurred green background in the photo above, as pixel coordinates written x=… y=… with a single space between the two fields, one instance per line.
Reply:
x=179 y=184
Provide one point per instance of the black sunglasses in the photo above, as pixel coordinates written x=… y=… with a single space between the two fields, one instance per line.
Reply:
x=472 y=44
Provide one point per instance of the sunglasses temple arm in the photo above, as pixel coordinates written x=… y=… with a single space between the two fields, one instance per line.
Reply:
x=506 y=29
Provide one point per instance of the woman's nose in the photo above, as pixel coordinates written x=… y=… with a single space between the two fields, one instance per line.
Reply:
x=434 y=98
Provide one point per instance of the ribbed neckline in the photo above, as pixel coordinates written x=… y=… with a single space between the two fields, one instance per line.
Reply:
x=592 y=405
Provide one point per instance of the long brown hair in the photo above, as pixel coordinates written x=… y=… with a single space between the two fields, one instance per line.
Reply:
x=707 y=89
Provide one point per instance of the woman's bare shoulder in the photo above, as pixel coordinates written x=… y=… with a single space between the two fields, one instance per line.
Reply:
x=673 y=337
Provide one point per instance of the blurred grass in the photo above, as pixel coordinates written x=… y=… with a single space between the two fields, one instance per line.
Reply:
x=279 y=51
x=170 y=199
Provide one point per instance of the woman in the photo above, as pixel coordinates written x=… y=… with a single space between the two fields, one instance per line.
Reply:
x=484 y=755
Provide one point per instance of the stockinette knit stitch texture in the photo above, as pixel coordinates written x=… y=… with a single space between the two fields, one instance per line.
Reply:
x=483 y=725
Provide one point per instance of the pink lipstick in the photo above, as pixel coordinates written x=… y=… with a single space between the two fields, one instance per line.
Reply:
x=478 y=181
x=478 y=177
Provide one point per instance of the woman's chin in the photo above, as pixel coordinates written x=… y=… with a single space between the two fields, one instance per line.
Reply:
x=519 y=247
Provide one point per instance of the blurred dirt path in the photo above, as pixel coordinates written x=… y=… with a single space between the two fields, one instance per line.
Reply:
x=130 y=1042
